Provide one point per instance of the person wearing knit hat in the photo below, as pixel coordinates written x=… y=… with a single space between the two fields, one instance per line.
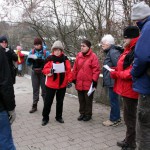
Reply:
x=140 y=73
x=20 y=59
x=3 y=39
x=111 y=53
x=56 y=81
x=57 y=45
x=36 y=59
x=123 y=86
x=86 y=70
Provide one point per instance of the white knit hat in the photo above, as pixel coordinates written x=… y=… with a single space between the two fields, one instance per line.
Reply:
x=57 y=44
x=140 y=11
x=108 y=38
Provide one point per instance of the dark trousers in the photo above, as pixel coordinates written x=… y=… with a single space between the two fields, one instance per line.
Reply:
x=38 y=80
x=85 y=103
x=143 y=122
x=114 y=104
x=130 y=110
x=50 y=93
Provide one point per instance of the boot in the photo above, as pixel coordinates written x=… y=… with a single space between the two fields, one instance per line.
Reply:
x=33 y=109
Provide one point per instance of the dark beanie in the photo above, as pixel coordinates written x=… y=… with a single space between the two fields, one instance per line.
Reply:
x=87 y=43
x=37 y=41
x=131 y=32
x=3 y=38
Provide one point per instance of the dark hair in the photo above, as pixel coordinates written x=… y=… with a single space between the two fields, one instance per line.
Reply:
x=88 y=43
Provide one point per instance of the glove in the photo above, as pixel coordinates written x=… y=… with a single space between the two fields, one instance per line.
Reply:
x=113 y=74
x=52 y=71
x=74 y=81
x=69 y=85
x=94 y=84
x=12 y=116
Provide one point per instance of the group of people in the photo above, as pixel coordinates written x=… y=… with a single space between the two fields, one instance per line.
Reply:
x=126 y=73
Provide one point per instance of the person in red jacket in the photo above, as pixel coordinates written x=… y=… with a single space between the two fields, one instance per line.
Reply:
x=123 y=86
x=56 y=81
x=20 y=60
x=86 y=72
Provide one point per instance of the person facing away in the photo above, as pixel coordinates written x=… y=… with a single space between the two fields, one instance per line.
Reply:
x=86 y=72
x=11 y=56
x=20 y=59
x=56 y=82
x=7 y=102
x=123 y=86
x=140 y=72
x=36 y=59
x=112 y=54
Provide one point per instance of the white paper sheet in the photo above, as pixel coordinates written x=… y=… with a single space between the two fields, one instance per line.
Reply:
x=59 y=68
x=91 y=90
x=108 y=68
x=33 y=56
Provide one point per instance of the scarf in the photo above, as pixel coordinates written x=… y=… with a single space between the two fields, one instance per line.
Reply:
x=129 y=58
x=17 y=52
x=59 y=59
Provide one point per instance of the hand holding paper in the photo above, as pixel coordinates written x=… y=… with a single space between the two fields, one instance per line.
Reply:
x=108 y=68
x=91 y=90
x=59 y=68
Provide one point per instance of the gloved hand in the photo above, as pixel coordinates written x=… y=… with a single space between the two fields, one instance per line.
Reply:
x=74 y=81
x=69 y=85
x=113 y=74
x=94 y=84
x=52 y=71
x=12 y=116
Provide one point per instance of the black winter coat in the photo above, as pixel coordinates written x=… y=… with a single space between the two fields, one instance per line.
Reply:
x=7 y=101
x=12 y=56
x=111 y=59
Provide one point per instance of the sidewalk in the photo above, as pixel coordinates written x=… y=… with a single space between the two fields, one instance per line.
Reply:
x=72 y=135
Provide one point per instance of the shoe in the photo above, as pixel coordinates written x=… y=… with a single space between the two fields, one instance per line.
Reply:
x=87 y=118
x=122 y=143
x=60 y=120
x=44 y=122
x=112 y=123
x=34 y=109
x=128 y=148
x=80 y=117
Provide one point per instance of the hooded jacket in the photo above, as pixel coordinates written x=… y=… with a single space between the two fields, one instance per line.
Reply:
x=85 y=73
x=123 y=78
x=57 y=80
x=141 y=63
x=111 y=59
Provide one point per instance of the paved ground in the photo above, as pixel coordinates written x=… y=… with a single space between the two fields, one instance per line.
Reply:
x=72 y=135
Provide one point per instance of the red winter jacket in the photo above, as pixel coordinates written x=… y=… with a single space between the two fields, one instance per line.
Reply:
x=20 y=57
x=123 y=78
x=55 y=83
x=85 y=73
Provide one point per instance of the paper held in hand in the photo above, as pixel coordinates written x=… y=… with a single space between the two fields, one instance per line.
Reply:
x=59 y=68
x=91 y=90
x=108 y=68
x=33 y=56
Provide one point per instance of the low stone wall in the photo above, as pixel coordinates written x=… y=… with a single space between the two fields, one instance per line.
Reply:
x=100 y=95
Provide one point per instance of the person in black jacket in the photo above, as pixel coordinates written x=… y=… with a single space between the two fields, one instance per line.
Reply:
x=11 y=56
x=7 y=103
x=112 y=54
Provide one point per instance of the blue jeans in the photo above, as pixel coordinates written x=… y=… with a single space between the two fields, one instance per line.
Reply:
x=6 y=140
x=114 y=104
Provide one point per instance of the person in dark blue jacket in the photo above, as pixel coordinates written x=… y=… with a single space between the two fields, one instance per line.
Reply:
x=140 y=72
x=36 y=59
x=112 y=54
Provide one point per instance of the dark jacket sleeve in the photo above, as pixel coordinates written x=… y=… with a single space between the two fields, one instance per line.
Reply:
x=7 y=101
